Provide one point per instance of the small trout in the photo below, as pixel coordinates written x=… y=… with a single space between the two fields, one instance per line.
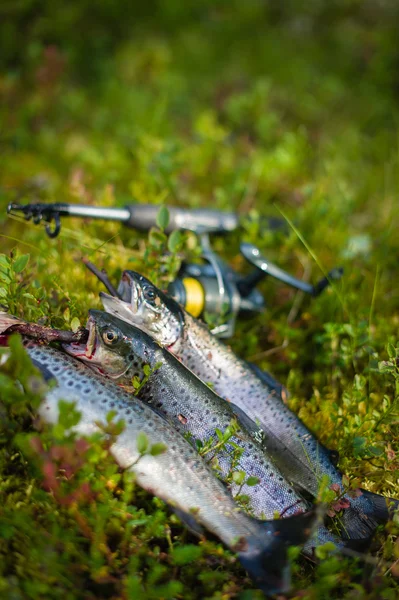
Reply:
x=178 y=476
x=121 y=351
x=300 y=456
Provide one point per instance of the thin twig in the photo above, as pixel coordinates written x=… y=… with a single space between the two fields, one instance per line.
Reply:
x=46 y=334
x=102 y=276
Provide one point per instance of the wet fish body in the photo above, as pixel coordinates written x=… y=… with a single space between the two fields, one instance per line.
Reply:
x=178 y=476
x=120 y=351
x=296 y=451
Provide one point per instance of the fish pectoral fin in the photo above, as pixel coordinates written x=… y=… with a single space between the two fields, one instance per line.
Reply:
x=189 y=521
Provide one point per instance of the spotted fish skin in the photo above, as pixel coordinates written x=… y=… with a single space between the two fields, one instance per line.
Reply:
x=295 y=450
x=191 y=406
x=178 y=476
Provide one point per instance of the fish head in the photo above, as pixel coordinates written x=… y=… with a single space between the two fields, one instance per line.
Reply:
x=112 y=347
x=147 y=307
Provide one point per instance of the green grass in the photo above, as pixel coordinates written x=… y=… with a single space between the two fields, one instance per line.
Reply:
x=265 y=108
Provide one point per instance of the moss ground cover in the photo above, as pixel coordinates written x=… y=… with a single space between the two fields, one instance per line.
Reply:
x=287 y=109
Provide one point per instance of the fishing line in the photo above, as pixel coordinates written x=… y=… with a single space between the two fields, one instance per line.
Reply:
x=313 y=255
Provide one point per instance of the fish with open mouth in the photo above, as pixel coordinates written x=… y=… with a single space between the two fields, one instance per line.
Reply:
x=178 y=475
x=299 y=455
x=121 y=351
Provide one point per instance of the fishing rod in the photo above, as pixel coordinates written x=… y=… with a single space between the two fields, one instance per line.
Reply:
x=212 y=287
x=136 y=216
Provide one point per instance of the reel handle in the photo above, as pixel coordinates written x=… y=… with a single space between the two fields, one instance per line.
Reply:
x=265 y=268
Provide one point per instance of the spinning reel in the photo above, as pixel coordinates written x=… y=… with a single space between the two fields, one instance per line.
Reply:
x=216 y=289
x=213 y=287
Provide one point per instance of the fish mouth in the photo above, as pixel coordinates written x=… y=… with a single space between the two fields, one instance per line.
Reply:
x=129 y=291
x=84 y=351
x=118 y=308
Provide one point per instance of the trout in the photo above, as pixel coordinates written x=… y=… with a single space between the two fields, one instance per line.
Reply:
x=122 y=351
x=178 y=475
x=296 y=451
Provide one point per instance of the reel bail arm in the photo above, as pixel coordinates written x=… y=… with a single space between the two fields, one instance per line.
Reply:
x=265 y=268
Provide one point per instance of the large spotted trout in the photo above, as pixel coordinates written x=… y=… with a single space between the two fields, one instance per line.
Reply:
x=300 y=456
x=177 y=475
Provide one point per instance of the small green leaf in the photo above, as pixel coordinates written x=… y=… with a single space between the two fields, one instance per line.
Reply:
x=227 y=433
x=75 y=324
x=142 y=442
x=5 y=277
x=158 y=448
x=157 y=238
x=111 y=415
x=147 y=370
x=175 y=241
x=243 y=498
x=238 y=477
x=135 y=383
x=68 y=415
x=4 y=261
x=219 y=434
x=323 y=551
x=162 y=219
x=20 y=263
x=251 y=481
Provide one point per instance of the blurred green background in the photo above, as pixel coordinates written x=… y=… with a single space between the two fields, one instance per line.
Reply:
x=256 y=106
x=281 y=108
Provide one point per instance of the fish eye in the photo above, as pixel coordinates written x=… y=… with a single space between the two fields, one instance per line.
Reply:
x=149 y=293
x=110 y=337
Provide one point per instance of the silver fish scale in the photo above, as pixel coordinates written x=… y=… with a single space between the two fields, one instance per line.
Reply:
x=301 y=458
x=296 y=451
x=196 y=410
x=178 y=476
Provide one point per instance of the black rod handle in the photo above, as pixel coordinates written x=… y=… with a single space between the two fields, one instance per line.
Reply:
x=137 y=216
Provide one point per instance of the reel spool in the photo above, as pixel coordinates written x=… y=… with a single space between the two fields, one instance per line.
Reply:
x=214 y=288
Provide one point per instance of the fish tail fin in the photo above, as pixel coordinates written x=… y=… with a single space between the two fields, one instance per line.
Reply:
x=383 y=507
x=361 y=519
x=265 y=557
